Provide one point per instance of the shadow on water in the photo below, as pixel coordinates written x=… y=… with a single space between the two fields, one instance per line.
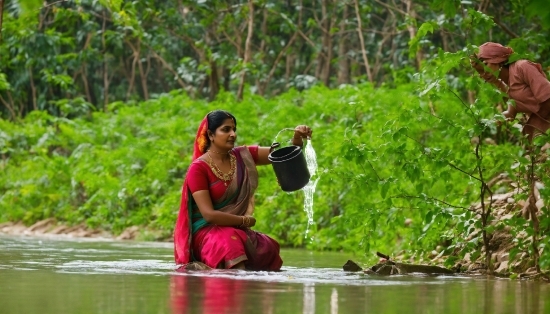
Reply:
x=41 y=275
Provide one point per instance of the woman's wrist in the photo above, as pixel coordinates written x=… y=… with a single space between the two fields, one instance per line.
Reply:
x=297 y=141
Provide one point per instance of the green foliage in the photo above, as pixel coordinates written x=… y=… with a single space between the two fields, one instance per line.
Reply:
x=400 y=164
x=377 y=171
x=539 y=9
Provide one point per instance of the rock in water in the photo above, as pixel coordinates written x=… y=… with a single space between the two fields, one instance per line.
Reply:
x=351 y=266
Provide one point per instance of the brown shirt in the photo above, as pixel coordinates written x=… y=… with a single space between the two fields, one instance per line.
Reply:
x=528 y=86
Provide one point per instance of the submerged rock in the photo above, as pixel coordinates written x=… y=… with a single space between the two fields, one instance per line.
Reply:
x=352 y=266
x=194 y=266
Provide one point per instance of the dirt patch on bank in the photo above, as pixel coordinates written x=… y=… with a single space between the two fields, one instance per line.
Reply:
x=502 y=240
x=50 y=226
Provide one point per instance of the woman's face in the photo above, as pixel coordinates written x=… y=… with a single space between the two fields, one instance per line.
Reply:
x=225 y=136
x=492 y=71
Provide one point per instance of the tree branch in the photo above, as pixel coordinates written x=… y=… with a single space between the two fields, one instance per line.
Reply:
x=432 y=199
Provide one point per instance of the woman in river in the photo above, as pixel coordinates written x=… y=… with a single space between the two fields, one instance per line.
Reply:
x=522 y=80
x=213 y=225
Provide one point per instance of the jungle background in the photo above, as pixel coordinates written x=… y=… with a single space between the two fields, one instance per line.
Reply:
x=100 y=101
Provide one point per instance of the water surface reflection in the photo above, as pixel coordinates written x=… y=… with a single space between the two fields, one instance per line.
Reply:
x=90 y=276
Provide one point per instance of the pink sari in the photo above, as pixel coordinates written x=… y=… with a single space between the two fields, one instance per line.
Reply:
x=225 y=246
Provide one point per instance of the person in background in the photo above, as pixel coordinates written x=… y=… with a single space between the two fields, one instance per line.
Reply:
x=522 y=80
x=213 y=224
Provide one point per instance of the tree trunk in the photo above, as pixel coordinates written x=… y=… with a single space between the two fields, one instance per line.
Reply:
x=105 y=66
x=9 y=107
x=84 y=76
x=322 y=71
x=213 y=80
x=362 y=42
x=343 y=62
x=134 y=58
x=387 y=33
x=1 y=17
x=84 y=72
x=142 y=74
x=247 y=48
x=260 y=83
x=33 y=89
x=412 y=30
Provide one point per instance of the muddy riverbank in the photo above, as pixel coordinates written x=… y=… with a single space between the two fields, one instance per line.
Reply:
x=50 y=227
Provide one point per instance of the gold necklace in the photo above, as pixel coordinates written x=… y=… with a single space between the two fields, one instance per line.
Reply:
x=215 y=152
x=217 y=171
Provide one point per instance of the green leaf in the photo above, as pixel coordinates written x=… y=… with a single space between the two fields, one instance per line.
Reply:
x=31 y=5
x=384 y=189
x=414 y=43
x=4 y=84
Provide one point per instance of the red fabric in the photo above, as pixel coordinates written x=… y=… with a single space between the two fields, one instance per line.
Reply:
x=201 y=139
x=219 y=246
x=254 y=152
x=494 y=52
x=182 y=235
x=208 y=294
x=225 y=246
x=182 y=238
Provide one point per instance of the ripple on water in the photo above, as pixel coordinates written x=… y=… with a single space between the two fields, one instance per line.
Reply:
x=332 y=276
x=134 y=258
x=129 y=266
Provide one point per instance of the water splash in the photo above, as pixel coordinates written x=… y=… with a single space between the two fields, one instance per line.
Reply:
x=309 y=189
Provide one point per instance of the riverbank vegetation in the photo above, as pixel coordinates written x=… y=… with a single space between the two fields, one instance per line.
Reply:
x=412 y=150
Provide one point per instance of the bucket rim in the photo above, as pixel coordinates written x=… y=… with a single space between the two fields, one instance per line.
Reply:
x=293 y=148
x=287 y=159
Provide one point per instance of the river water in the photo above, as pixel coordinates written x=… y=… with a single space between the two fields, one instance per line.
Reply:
x=60 y=275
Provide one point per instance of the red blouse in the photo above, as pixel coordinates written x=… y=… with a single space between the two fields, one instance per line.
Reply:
x=200 y=176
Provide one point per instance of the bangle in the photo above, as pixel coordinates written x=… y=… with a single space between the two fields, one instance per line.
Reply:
x=246 y=222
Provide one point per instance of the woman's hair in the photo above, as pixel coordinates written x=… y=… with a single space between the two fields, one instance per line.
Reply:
x=215 y=119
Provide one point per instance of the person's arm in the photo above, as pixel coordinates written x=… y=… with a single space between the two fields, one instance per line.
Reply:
x=510 y=113
x=216 y=217
x=487 y=76
x=498 y=83
x=300 y=132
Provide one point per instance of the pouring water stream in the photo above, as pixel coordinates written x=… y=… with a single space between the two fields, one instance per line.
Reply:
x=309 y=189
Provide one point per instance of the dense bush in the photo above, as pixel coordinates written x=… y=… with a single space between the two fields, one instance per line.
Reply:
x=396 y=171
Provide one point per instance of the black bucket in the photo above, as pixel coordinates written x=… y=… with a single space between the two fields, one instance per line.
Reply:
x=290 y=166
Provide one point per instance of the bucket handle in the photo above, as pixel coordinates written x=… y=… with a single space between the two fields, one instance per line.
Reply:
x=273 y=146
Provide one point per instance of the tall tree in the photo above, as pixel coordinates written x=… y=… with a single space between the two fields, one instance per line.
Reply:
x=247 y=48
